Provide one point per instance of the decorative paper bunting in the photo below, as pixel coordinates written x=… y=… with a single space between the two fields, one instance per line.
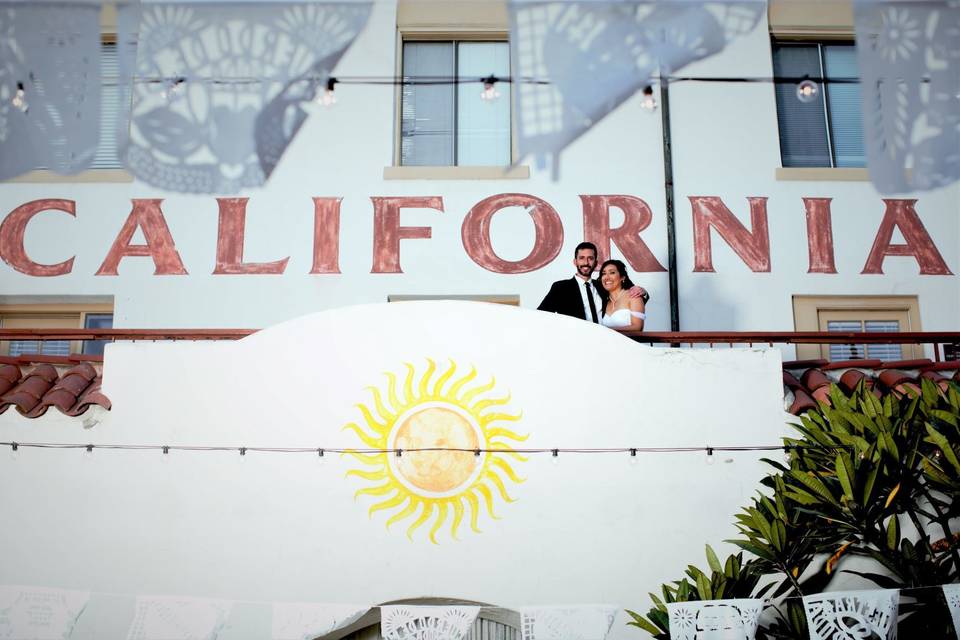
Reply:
x=305 y=621
x=39 y=614
x=178 y=618
x=426 y=623
x=218 y=86
x=909 y=58
x=852 y=615
x=715 y=619
x=952 y=594
x=49 y=85
x=596 y=54
x=584 y=622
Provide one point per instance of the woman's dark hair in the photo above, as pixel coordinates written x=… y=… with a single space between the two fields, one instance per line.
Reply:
x=622 y=270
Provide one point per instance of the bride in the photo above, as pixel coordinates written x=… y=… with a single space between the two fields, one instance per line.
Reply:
x=621 y=312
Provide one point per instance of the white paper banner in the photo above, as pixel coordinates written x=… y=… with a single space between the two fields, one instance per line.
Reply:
x=582 y=622
x=33 y=613
x=734 y=619
x=909 y=58
x=594 y=54
x=49 y=85
x=305 y=621
x=853 y=615
x=426 y=623
x=177 y=618
x=952 y=594
x=219 y=85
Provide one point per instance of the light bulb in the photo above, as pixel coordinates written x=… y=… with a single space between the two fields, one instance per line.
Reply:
x=14 y=451
x=634 y=460
x=648 y=102
x=807 y=90
x=489 y=93
x=88 y=452
x=19 y=99
x=555 y=456
x=165 y=456
x=322 y=456
x=173 y=88
x=328 y=98
x=710 y=457
x=243 y=453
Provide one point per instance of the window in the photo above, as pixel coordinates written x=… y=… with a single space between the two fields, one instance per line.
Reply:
x=827 y=131
x=845 y=314
x=54 y=316
x=446 y=123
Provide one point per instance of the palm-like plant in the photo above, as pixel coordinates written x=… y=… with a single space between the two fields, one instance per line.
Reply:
x=861 y=469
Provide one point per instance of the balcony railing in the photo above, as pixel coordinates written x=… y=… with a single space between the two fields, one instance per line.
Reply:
x=671 y=338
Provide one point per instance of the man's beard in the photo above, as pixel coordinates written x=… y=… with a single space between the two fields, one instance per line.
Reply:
x=585 y=271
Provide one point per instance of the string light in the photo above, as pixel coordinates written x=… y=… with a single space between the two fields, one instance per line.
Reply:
x=489 y=93
x=19 y=99
x=173 y=88
x=14 y=451
x=322 y=452
x=807 y=90
x=327 y=98
x=648 y=102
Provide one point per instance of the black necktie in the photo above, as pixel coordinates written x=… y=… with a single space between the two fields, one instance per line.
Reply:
x=593 y=307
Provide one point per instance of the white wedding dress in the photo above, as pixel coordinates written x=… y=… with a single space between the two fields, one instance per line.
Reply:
x=621 y=318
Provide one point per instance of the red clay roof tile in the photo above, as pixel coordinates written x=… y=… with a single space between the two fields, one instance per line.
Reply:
x=71 y=390
x=920 y=363
x=851 y=364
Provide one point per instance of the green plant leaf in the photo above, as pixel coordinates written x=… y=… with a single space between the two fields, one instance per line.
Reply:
x=943 y=444
x=844 y=469
x=814 y=484
x=893 y=533
x=703 y=587
x=713 y=561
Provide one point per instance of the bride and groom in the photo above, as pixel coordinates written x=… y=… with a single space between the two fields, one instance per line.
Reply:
x=612 y=300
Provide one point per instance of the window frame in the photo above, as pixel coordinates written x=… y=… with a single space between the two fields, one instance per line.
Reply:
x=75 y=313
x=810 y=311
x=819 y=41
x=448 y=33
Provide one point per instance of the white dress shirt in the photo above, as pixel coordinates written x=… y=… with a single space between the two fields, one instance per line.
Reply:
x=586 y=303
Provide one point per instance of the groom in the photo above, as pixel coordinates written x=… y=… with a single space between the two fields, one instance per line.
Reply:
x=581 y=296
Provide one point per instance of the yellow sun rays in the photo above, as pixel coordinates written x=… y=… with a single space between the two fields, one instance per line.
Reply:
x=445 y=411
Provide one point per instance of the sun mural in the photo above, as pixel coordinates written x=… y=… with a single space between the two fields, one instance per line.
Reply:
x=449 y=411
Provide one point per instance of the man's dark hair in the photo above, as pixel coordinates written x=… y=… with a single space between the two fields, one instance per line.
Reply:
x=586 y=245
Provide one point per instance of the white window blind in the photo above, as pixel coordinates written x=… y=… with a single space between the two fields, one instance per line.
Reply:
x=828 y=130
x=47 y=348
x=443 y=120
x=858 y=351
x=107 y=157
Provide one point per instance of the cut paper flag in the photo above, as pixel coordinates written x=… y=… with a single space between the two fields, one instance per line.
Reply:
x=582 y=622
x=426 y=623
x=734 y=619
x=177 y=618
x=34 y=613
x=831 y=616
x=218 y=85
x=575 y=61
x=305 y=621
x=49 y=86
x=951 y=592
x=908 y=55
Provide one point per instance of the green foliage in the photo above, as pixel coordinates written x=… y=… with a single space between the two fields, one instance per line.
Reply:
x=732 y=579
x=861 y=468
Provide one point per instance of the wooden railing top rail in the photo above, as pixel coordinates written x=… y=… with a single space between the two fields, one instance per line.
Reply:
x=652 y=337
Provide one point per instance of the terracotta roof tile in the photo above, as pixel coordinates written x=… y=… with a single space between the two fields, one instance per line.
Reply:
x=807 y=382
x=71 y=389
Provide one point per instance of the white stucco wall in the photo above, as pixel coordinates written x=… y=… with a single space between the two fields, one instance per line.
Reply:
x=273 y=527
x=725 y=144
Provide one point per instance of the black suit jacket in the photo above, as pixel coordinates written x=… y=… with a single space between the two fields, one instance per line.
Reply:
x=564 y=297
